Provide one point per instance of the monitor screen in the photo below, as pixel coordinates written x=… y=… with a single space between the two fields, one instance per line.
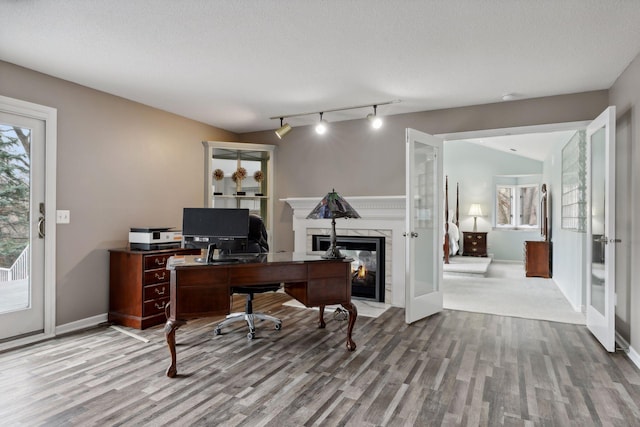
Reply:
x=202 y=226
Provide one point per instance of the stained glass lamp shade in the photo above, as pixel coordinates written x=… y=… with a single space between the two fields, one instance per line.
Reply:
x=333 y=206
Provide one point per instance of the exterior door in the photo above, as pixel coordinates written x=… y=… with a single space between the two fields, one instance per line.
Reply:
x=424 y=225
x=26 y=308
x=601 y=232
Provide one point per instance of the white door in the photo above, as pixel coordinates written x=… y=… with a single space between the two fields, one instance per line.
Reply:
x=601 y=232
x=424 y=225
x=26 y=303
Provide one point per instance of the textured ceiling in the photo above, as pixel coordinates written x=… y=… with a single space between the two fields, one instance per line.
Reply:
x=234 y=64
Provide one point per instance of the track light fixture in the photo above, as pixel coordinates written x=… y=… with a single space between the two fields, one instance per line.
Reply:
x=376 y=122
x=283 y=130
x=322 y=126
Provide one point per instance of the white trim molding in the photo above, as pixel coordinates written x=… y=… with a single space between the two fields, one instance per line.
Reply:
x=634 y=356
x=82 y=324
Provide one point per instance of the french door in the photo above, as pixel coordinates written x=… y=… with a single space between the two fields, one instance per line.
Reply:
x=424 y=225
x=27 y=137
x=601 y=231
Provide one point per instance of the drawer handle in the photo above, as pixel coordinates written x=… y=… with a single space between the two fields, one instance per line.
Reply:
x=160 y=306
x=158 y=291
x=160 y=277
x=474 y=243
x=160 y=261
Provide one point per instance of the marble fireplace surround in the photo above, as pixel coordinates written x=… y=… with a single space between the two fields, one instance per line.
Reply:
x=380 y=216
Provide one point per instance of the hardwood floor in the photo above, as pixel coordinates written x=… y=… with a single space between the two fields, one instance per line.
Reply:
x=455 y=368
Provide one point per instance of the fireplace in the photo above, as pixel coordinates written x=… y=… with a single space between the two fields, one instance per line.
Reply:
x=367 y=267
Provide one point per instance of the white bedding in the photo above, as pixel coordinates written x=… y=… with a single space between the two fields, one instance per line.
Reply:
x=454 y=239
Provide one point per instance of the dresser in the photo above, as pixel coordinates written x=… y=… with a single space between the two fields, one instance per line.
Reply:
x=139 y=286
x=537 y=259
x=474 y=243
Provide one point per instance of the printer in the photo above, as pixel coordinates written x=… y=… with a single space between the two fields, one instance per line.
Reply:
x=154 y=238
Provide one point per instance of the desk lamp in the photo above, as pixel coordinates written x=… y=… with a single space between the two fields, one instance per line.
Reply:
x=333 y=206
x=475 y=211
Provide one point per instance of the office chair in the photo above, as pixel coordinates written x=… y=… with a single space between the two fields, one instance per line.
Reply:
x=256 y=243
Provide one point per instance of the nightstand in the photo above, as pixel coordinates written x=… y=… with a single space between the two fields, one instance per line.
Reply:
x=474 y=243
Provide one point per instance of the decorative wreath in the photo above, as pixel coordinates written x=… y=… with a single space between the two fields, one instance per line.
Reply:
x=258 y=176
x=218 y=174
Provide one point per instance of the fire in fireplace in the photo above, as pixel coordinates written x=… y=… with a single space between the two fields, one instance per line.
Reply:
x=367 y=267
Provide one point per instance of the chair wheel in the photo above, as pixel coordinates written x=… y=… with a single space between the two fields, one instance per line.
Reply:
x=217 y=331
x=251 y=335
x=278 y=326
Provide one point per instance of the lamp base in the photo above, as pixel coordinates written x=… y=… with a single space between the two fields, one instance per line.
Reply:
x=333 y=253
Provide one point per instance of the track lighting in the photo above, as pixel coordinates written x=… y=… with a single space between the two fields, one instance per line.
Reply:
x=321 y=127
x=283 y=130
x=376 y=122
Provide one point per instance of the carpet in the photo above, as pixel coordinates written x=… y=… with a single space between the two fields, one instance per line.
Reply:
x=507 y=292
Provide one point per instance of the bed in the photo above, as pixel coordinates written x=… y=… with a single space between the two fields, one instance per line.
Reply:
x=451 y=224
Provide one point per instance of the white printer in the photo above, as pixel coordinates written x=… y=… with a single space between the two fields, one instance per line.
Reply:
x=153 y=238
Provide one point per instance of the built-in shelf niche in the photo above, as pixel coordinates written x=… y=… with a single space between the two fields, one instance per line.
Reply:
x=250 y=194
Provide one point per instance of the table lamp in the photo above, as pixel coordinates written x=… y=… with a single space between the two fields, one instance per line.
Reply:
x=333 y=206
x=475 y=211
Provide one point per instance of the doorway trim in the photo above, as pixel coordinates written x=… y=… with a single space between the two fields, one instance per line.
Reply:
x=520 y=130
x=50 y=117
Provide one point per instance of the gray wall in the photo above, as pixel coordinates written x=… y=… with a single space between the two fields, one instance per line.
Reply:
x=625 y=95
x=120 y=164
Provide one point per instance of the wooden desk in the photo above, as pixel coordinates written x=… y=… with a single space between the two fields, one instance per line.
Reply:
x=200 y=290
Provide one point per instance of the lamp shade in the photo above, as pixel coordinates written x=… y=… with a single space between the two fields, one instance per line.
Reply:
x=475 y=210
x=333 y=206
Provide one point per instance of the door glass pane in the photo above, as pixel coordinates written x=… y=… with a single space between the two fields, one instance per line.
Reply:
x=15 y=143
x=424 y=193
x=598 y=180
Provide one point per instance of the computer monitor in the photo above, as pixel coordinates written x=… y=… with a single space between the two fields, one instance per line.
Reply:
x=202 y=227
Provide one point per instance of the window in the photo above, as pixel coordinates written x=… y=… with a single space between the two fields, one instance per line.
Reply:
x=517 y=206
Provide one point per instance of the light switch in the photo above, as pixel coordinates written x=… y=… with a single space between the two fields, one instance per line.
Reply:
x=63 y=217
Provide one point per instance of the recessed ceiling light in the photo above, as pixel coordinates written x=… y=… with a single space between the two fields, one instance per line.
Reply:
x=509 y=96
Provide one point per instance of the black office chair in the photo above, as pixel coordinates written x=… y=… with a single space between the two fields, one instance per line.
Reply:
x=256 y=243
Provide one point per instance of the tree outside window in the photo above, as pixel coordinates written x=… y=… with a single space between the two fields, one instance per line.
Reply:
x=14 y=192
x=517 y=206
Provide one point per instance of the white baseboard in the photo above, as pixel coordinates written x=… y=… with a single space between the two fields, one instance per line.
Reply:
x=81 y=324
x=634 y=356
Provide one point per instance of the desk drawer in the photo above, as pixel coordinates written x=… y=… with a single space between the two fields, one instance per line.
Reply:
x=156 y=261
x=246 y=275
x=155 y=306
x=321 y=270
x=156 y=291
x=156 y=276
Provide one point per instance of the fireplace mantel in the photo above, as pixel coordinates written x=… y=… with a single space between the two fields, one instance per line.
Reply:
x=380 y=215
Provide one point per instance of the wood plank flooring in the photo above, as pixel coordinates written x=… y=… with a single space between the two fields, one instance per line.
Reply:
x=455 y=368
